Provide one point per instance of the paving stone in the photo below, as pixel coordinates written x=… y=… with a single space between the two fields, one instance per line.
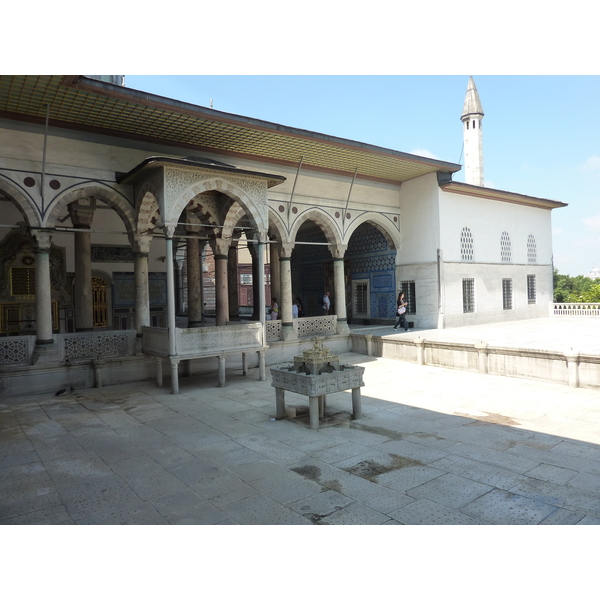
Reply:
x=272 y=449
x=66 y=471
x=285 y=487
x=426 y=512
x=146 y=477
x=587 y=520
x=250 y=471
x=551 y=473
x=413 y=451
x=321 y=505
x=484 y=473
x=108 y=498
x=57 y=446
x=563 y=517
x=339 y=452
x=204 y=514
x=224 y=489
x=450 y=490
x=19 y=458
x=408 y=477
x=177 y=502
x=262 y=510
x=50 y=515
x=354 y=514
x=502 y=507
x=23 y=506
x=34 y=473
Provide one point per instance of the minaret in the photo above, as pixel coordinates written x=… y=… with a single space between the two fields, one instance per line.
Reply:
x=472 y=116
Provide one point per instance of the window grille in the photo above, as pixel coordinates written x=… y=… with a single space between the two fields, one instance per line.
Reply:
x=531 y=250
x=408 y=287
x=246 y=278
x=507 y=300
x=22 y=281
x=468 y=287
x=505 y=248
x=466 y=245
x=531 y=294
x=361 y=298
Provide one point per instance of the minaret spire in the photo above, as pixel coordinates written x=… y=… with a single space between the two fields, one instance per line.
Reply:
x=471 y=117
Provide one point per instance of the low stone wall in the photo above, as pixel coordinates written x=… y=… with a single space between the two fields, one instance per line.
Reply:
x=574 y=369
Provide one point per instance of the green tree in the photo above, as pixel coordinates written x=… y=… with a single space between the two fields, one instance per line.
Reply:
x=575 y=289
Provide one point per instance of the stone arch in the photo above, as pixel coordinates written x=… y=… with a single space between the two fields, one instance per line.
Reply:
x=323 y=220
x=148 y=213
x=277 y=228
x=22 y=200
x=114 y=199
x=381 y=223
x=256 y=215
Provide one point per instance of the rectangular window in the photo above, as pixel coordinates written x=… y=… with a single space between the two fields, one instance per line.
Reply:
x=246 y=278
x=468 y=287
x=531 y=296
x=22 y=281
x=408 y=287
x=360 y=298
x=507 y=301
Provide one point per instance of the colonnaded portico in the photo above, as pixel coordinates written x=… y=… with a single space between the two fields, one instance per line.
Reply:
x=175 y=206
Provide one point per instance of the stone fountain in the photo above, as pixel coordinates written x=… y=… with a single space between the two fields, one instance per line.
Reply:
x=316 y=373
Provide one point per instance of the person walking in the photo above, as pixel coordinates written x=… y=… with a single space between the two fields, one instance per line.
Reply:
x=326 y=303
x=274 y=309
x=402 y=304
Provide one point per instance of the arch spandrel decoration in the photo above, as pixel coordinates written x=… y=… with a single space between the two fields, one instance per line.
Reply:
x=184 y=184
x=381 y=222
x=114 y=199
x=23 y=202
x=323 y=220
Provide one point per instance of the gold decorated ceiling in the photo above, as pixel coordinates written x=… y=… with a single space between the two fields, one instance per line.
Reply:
x=88 y=104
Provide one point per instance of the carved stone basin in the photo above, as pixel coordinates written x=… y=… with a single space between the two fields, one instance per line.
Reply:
x=316 y=373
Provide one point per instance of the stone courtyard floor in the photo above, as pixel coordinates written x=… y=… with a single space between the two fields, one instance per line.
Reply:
x=434 y=446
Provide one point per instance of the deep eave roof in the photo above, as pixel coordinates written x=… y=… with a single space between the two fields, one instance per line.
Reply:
x=457 y=187
x=78 y=102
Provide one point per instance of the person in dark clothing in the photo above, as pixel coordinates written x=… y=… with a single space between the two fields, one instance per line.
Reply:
x=401 y=311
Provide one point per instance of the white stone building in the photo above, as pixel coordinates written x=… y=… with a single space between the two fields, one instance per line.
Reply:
x=106 y=192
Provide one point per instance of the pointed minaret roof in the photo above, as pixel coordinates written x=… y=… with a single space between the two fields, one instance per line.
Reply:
x=472 y=105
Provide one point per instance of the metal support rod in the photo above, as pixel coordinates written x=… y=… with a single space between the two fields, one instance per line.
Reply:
x=348 y=199
x=44 y=155
x=293 y=189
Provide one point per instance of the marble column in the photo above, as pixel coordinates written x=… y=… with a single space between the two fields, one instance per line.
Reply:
x=287 y=324
x=44 y=351
x=221 y=251
x=274 y=261
x=194 y=287
x=253 y=249
x=82 y=214
x=232 y=283
x=171 y=322
x=141 y=249
x=339 y=292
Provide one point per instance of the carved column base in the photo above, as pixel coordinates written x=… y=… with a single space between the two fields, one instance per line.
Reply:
x=287 y=332
x=45 y=354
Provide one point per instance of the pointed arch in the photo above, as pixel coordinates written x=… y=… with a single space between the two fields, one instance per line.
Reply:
x=256 y=214
x=114 y=199
x=22 y=200
x=323 y=220
x=148 y=213
x=381 y=223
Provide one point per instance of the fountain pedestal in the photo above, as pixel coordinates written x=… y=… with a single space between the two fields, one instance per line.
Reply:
x=316 y=373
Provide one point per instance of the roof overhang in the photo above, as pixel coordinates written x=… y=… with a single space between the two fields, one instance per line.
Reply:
x=82 y=103
x=456 y=187
x=159 y=161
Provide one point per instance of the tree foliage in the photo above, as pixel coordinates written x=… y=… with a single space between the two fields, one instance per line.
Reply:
x=575 y=289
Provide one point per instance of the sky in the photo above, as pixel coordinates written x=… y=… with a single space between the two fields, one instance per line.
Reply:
x=541 y=134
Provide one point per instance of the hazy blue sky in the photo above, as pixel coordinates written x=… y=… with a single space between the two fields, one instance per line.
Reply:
x=541 y=134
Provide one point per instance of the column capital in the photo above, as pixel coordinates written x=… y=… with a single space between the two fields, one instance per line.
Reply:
x=141 y=243
x=338 y=250
x=82 y=212
x=169 y=229
x=220 y=246
x=286 y=250
x=43 y=239
x=261 y=237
